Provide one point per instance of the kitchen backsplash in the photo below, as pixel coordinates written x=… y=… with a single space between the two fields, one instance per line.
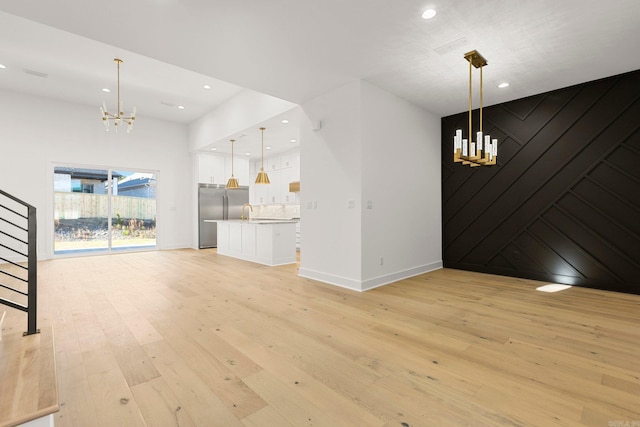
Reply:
x=276 y=211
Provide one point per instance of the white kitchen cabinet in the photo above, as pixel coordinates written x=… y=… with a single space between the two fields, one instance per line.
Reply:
x=240 y=170
x=295 y=167
x=211 y=169
x=223 y=237
x=260 y=192
x=272 y=243
x=287 y=197
x=216 y=169
x=272 y=163
x=274 y=189
x=249 y=242
x=282 y=170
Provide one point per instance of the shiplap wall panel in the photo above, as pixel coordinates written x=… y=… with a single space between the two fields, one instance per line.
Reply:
x=563 y=203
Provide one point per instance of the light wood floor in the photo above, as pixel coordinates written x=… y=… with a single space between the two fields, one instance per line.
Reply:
x=186 y=338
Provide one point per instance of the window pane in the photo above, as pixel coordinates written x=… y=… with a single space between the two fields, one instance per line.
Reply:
x=133 y=210
x=80 y=209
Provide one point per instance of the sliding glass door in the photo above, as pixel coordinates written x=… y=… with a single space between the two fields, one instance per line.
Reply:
x=99 y=210
x=133 y=210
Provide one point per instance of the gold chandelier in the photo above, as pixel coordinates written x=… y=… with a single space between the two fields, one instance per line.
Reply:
x=482 y=152
x=233 y=182
x=119 y=116
x=262 y=177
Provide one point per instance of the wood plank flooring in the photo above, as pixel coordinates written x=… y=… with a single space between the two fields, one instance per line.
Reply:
x=190 y=338
x=27 y=377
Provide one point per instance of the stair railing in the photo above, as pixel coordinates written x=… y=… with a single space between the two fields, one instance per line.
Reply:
x=18 y=238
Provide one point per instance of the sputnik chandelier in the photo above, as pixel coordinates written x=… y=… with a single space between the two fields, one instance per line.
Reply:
x=119 y=116
x=479 y=153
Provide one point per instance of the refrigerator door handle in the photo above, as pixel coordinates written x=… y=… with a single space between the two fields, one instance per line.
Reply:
x=225 y=207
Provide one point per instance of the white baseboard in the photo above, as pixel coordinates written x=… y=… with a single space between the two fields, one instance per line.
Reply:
x=400 y=275
x=365 y=285
x=343 y=282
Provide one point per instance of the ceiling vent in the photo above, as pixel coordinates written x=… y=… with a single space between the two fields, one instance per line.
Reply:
x=167 y=103
x=35 y=73
x=451 y=46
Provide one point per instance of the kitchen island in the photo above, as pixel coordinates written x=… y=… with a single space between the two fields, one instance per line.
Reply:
x=264 y=241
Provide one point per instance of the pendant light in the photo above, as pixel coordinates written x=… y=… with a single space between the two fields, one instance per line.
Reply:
x=262 y=177
x=233 y=182
x=465 y=150
x=119 y=116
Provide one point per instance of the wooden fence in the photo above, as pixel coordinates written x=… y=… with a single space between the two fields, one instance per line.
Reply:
x=83 y=205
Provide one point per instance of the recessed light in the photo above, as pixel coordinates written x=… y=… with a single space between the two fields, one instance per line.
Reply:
x=293 y=140
x=2 y=66
x=180 y=107
x=428 y=14
x=213 y=148
x=206 y=86
x=267 y=148
x=105 y=89
x=247 y=153
x=285 y=121
x=503 y=85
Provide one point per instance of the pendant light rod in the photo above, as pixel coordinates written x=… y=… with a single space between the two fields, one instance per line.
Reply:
x=481 y=99
x=118 y=62
x=233 y=182
x=262 y=177
x=232 y=141
x=262 y=143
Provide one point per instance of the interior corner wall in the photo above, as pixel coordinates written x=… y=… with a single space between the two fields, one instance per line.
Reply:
x=330 y=177
x=374 y=149
x=562 y=203
x=401 y=189
x=36 y=132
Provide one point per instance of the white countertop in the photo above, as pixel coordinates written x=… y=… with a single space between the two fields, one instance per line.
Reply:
x=257 y=221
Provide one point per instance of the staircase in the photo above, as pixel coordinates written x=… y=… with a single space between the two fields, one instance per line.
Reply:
x=28 y=380
x=18 y=258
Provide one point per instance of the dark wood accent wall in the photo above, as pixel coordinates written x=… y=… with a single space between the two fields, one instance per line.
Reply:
x=563 y=202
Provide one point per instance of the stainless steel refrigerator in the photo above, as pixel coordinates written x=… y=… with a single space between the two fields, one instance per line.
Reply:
x=216 y=202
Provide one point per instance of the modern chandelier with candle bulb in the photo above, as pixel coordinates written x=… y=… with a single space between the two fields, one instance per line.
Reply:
x=484 y=151
x=119 y=117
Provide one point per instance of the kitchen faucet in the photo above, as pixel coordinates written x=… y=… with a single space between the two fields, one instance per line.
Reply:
x=244 y=206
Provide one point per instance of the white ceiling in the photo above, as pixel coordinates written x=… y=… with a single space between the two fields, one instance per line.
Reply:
x=299 y=49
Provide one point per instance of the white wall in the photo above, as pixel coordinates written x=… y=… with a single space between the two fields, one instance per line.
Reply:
x=330 y=176
x=37 y=132
x=237 y=114
x=372 y=146
x=401 y=179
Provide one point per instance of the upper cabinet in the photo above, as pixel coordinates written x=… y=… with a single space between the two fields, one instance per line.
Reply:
x=240 y=169
x=216 y=169
x=282 y=169
x=272 y=163
x=210 y=169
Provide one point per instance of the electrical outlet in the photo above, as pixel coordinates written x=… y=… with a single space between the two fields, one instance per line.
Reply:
x=516 y=254
x=381 y=260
